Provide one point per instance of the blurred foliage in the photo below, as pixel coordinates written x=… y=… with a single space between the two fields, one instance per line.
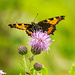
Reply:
x=72 y=72
x=61 y=55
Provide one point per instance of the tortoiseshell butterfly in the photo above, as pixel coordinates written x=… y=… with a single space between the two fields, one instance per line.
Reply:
x=48 y=25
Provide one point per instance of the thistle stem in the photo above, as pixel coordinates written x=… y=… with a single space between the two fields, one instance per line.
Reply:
x=31 y=59
x=25 y=62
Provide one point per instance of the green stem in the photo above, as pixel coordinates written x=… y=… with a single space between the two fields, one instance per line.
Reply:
x=25 y=62
x=27 y=69
x=29 y=65
x=31 y=59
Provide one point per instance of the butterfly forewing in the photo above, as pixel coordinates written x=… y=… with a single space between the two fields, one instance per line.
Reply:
x=27 y=27
x=49 y=25
x=19 y=26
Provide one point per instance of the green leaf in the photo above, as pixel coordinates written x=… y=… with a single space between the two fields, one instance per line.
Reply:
x=32 y=70
x=44 y=71
x=72 y=72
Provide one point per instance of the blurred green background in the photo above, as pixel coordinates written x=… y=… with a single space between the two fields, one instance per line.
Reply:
x=61 y=55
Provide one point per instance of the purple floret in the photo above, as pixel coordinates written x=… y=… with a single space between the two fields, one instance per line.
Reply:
x=40 y=40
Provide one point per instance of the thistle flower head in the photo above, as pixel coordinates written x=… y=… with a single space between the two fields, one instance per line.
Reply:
x=40 y=41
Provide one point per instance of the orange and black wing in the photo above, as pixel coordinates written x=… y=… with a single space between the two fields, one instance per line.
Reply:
x=27 y=27
x=49 y=25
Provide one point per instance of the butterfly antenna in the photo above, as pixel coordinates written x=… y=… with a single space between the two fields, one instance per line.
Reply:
x=35 y=17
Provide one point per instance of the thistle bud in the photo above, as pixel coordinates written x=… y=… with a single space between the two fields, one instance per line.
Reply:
x=37 y=66
x=22 y=50
x=35 y=50
x=31 y=59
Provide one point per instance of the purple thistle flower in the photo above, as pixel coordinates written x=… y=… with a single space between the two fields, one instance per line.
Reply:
x=40 y=40
x=1 y=72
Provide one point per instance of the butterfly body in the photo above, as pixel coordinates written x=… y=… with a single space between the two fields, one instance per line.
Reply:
x=48 y=25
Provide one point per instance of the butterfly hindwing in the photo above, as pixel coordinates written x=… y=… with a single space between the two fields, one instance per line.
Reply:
x=49 y=25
